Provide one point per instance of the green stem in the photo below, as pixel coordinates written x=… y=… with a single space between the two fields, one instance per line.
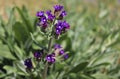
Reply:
x=46 y=65
x=38 y=71
x=50 y=45
x=45 y=71
x=49 y=48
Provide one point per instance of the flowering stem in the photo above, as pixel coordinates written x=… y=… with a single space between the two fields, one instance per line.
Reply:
x=46 y=65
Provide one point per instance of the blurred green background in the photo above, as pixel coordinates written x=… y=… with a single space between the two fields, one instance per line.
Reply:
x=93 y=41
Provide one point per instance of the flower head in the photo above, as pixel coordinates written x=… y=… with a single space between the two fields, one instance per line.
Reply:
x=61 y=27
x=50 y=16
x=63 y=14
x=47 y=18
x=66 y=25
x=57 y=31
x=58 y=8
x=57 y=46
x=43 y=22
x=61 y=52
x=65 y=56
x=38 y=54
x=40 y=14
x=50 y=58
x=28 y=63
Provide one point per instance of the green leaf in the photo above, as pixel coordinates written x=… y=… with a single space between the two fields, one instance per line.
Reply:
x=102 y=76
x=97 y=66
x=10 y=69
x=80 y=67
x=85 y=76
x=102 y=64
x=21 y=68
x=20 y=32
x=11 y=20
x=5 y=52
x=25 y=19
x=19 y=52
x=2 y=75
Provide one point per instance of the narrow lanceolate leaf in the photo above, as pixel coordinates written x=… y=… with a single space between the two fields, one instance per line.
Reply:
x=97 y=66
x=25 y=19
x=80 y=67
x=20 y=32
x=10 y=69
x=5 y=52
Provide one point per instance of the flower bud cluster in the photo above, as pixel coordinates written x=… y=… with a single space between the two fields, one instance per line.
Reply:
x=58 y=51
x=47 y=18
x=50 y=58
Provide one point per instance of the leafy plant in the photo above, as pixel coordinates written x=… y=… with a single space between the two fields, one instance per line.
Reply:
x=92 y=42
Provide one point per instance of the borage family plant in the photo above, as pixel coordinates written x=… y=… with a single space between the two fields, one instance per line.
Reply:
x=52 y=26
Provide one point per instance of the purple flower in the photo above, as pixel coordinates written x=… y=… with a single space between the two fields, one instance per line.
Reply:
x=66 y=25
x=48 y=12
x=43 y=22
x=38 y=54
x=28 y=63
x=61 y=52
x=61 y=27
x=65 y=56
x=57 y=46
x=40 y=14
x=42 y=19
x=50 y=16
x=58 y=31
x=63 y=14
x=58 y=8
x=50 y=58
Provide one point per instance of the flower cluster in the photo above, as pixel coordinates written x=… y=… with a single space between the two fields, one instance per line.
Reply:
x=50 y=58
x=46 y=18
x=61 y=27
x=37 y=55
x=58 y=51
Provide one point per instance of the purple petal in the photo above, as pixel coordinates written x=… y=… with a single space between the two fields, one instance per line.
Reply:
x=57 y=46
x=61 y=52
x=28 y=63
x=58 y=8
x=40 y=14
